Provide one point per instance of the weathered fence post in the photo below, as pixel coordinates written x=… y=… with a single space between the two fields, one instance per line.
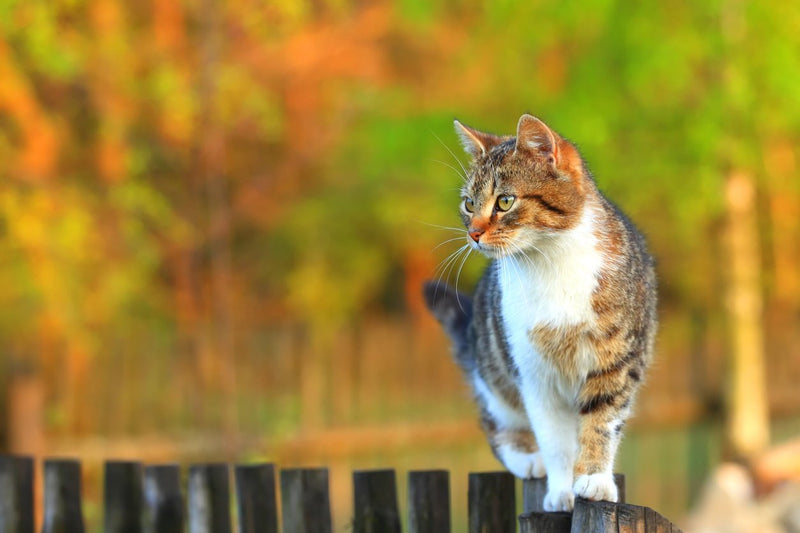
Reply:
x=122 y=497
x=492 y=503
x=375 y=502
x=429 y=501
x=62 y=496
x=255 y=497
x=541 y=522
x=16 y=494
x=638 y=518
x=209 y=499
x=594 y=516
x=534 y=490
x=305 y=503
x=619 y=481
x=162 y=494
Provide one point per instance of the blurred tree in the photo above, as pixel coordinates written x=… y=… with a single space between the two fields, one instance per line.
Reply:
x=189 y=173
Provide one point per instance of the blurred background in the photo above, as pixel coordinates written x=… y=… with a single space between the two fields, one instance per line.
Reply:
x=215 y=219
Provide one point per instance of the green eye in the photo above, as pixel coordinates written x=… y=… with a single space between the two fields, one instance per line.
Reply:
x=469 y=205
x=505 y=202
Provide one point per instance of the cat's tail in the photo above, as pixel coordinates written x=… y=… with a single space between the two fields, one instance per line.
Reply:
x=453 y=309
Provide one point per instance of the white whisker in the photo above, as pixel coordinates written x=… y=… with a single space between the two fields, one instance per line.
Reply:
x=454 y=169
x=445 y=242
x=465 y=174
x=458 y=274
x=446 y=266
x=452 y=228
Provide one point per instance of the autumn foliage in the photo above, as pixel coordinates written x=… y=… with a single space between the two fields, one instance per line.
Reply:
x=179 y=178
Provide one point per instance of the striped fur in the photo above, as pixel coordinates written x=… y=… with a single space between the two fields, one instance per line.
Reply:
x=558 y=336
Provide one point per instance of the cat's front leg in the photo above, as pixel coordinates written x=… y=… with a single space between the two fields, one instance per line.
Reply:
x=599 y=436
x=556 y=429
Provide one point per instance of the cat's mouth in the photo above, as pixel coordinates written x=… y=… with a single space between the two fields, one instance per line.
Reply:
x=491 y=250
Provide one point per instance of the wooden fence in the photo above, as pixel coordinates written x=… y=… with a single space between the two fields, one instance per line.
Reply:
x=149 y=499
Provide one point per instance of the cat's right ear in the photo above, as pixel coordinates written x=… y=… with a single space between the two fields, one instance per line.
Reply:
x=475 y=143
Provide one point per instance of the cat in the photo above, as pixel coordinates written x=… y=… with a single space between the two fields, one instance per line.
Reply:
x=556 y=339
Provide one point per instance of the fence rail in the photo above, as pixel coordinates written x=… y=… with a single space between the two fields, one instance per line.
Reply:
x=139 y=498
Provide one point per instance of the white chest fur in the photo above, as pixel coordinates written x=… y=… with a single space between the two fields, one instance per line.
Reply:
x=551 y=287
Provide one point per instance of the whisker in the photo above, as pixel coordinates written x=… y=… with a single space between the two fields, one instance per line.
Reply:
x=458 y=274
x=453 y=228
x=454 y=169
x=519 y=251
x=442 y=268
x=465 y=174
x=445 y=242
x=542 y=254
x=512 y=259
x=448 y=262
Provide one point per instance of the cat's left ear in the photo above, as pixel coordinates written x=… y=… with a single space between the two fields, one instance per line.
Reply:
x=535 y=138
x=476 y=143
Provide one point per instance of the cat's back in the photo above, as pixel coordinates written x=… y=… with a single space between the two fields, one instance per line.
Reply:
x=626 y=296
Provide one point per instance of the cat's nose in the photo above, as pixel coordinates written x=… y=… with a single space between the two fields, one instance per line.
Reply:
x=475 y=233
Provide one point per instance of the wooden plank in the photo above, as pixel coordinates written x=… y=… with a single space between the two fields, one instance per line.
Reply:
x=619 y=480
x=305 y=503
x=533 y=492
x=255 y=497
x=62 y=496
x=594 y=516
x=541 y=522
x=162 y=494
x=122 y=497
x=429 y=501
x=492 y=503
x=209 y=498
x=656 y=523
x=16 y=494
x=375 y=502
x=631 y=519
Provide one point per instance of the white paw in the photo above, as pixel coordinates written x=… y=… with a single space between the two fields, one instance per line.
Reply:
x=559 y=500
x=524 y=465
x=596 y=487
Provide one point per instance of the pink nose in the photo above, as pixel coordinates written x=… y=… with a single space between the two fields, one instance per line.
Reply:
x=476 y=233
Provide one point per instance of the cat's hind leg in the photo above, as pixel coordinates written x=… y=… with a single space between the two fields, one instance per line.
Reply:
x=509 y=433
x=517 y=450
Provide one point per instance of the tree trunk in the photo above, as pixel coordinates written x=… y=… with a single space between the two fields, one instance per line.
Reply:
x=747 y=431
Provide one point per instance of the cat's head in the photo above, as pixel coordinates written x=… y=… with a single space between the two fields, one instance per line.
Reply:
x=520 y=190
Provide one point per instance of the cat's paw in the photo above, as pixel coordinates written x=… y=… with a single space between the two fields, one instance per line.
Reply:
x=524 y=465
x=596 y=487
x=559 y=500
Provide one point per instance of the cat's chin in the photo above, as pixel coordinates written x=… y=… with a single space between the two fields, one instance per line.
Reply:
x=499 y=252
x=490 y=251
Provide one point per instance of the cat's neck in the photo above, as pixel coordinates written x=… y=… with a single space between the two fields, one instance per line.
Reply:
x=575 y=249
x=553 y=284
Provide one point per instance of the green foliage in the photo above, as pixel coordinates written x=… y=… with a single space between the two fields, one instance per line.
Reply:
x=338 y=161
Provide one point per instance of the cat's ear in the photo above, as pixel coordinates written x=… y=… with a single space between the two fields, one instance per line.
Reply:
x=476 y=143
x=535 y=138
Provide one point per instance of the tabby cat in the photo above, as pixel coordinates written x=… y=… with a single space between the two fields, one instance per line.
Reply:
x=558 y=335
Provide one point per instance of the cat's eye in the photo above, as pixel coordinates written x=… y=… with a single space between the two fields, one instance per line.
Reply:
x=505 y=202
x=469 y=205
